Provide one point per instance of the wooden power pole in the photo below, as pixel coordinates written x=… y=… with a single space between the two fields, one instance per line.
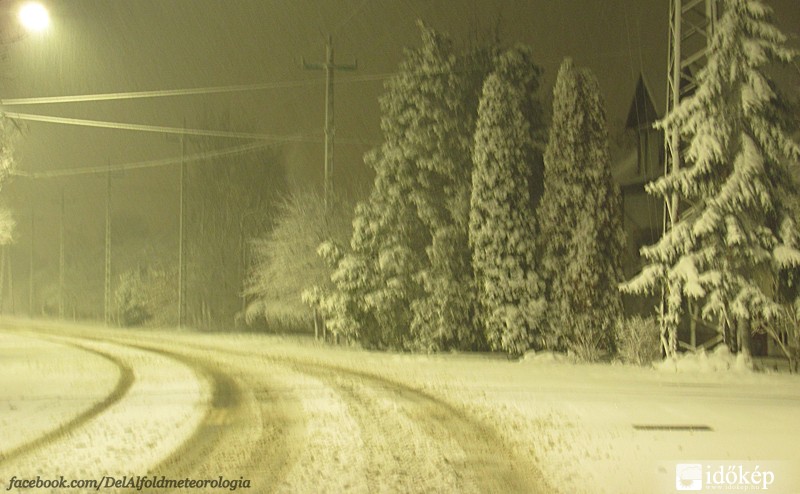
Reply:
x=329 y=66
x=107 y=291
x=182 y=236
x=61 y=260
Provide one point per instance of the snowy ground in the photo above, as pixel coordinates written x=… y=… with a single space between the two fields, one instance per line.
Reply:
x=100 y=408
x=310 y=418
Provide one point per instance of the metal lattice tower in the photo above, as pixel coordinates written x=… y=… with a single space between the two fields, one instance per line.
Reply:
x=692 y=26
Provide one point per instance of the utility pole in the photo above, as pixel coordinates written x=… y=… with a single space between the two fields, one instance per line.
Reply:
x=10 y=280
x=61 y=259
x=692 y=25
x=30 y=266
x=329 y=67
x=2 y=274
x=107 y=298
x=182 y=235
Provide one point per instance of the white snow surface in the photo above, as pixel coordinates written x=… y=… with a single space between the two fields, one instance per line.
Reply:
x=36 y=375
x=574 y=422
x=131 y=436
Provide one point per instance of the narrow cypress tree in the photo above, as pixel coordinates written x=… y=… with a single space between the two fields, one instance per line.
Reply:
x=580 y=219
x=501 y=217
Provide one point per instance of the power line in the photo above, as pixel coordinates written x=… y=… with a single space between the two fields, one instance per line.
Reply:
x=140 y=164
x=103 y=124
x=160 y=93
x=159 y=128
x=163 y=93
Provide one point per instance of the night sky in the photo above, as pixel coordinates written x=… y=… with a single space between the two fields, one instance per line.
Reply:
x=114 y=46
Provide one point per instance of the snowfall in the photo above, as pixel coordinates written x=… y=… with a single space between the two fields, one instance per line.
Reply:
x=85 y=402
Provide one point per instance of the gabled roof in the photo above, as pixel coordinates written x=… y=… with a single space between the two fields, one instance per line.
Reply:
x=643 y=111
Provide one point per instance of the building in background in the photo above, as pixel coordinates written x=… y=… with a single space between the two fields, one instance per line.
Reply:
x=637 y=160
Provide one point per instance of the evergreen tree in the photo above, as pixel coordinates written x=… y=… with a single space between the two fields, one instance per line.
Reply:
x=444 y=314
x=407 y=281
x=580 y=219
x=501 y=224
x=737 y=230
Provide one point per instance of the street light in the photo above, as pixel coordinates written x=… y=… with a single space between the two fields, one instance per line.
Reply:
x=34 y=17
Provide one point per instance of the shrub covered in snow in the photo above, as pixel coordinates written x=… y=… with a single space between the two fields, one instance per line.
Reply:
x=130 y=299
x=638 y=340
x=8 y=133
x=286 y=262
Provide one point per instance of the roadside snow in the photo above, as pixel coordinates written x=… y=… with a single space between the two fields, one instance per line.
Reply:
x=162 y=408
x=719 y=359
x=45 y=385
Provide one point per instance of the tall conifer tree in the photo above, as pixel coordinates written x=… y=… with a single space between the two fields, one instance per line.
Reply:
x=737 y=229
x=501 y=218
x=408 y=280
x=580 y=219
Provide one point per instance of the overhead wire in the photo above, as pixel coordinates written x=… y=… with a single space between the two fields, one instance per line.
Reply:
x=164 y=93
x=159 y=93
x=138 y=165
x=160 y=128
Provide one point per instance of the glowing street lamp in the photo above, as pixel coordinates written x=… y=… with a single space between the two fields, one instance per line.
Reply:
x=34 y=17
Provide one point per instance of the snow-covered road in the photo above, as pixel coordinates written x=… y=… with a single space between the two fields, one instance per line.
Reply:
x=295 y=416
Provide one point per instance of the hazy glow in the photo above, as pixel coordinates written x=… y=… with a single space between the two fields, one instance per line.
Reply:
x=34 y=17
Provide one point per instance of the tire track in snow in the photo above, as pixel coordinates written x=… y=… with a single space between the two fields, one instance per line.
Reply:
x=420 y=431
x=225 y=398
x=400 y=456
x=249 y=430
x=480 y=460
x=129 y=435
x=124 y=383
x=226 y=406
x=475 y=454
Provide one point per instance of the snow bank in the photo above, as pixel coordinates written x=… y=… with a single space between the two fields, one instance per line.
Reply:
x=720 y=359
x=544 y=357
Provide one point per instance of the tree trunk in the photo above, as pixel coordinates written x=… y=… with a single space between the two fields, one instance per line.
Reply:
x=745 y=340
